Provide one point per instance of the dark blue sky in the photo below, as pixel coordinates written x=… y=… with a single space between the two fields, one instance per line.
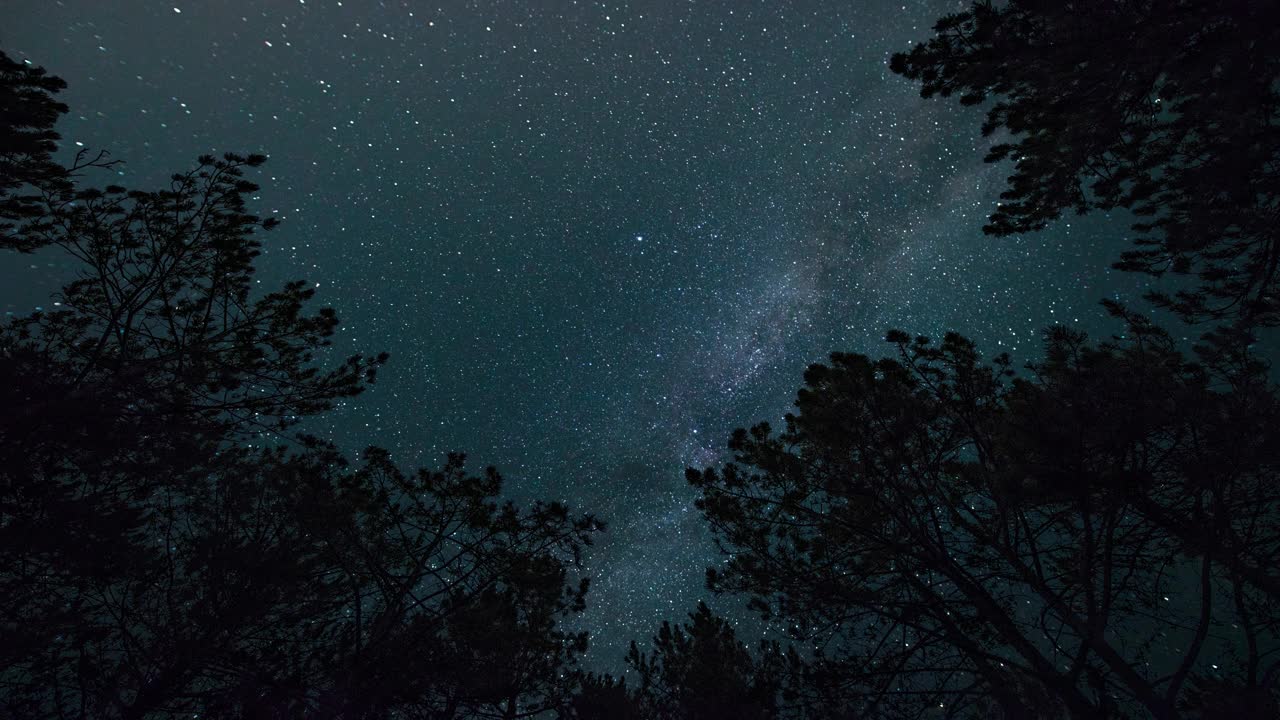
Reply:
x=594 y=236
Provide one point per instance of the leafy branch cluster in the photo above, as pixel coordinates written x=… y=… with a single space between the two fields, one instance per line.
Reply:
x=1166 y=108
x=170 y=545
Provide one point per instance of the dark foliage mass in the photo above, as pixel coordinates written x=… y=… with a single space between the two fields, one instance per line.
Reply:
x=1164 y=107
x=169 y=546
x=30 y=180
x=959 y=541
x=696 y=671
x=930 y=535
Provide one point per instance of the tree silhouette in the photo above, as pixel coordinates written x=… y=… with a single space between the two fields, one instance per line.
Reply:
x=603 y=697
x=416 y=596
x=701 y=671
x=169 y=545
x=30 y=179
x=1163 y=107
x=698 y=670
x=1089 y=541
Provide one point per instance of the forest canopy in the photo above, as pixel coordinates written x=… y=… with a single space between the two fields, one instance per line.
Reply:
x=931 y=533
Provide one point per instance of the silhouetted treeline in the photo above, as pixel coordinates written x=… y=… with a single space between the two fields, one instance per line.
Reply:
x=1095 y=539
x=169 y=546
x=930 y=535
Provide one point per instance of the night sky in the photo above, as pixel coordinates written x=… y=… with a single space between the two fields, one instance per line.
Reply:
x=595 y=237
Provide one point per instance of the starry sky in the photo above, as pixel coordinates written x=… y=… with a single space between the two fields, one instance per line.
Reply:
x=595 y=237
